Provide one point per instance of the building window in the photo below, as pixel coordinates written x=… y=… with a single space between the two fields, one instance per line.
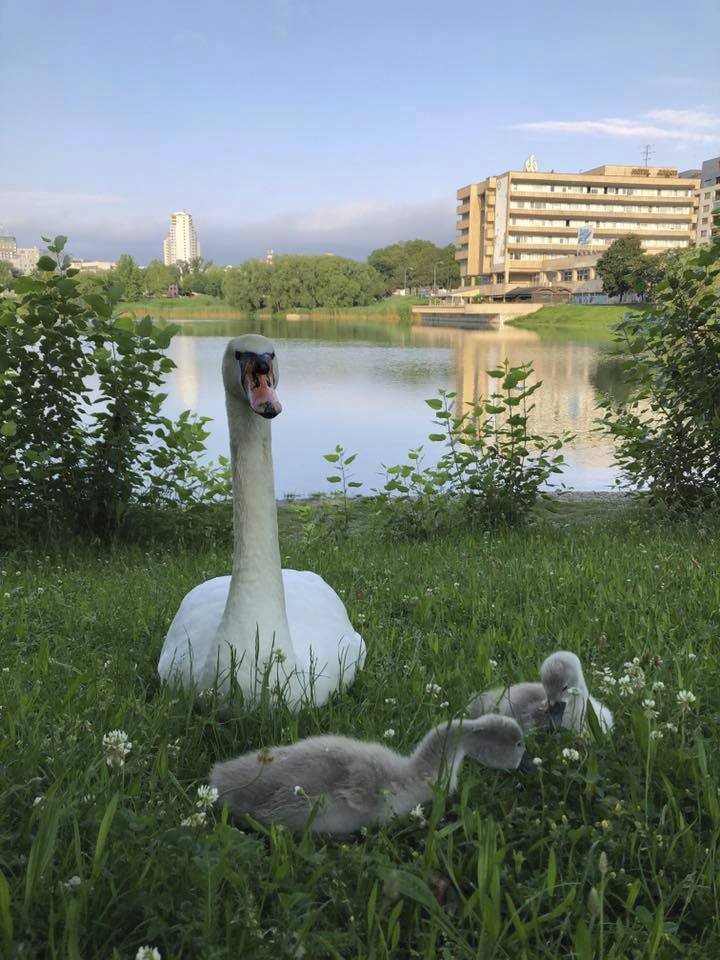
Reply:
x=567 y=274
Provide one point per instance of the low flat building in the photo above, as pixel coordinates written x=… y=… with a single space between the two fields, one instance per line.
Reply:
x=708 y=198
x=25 y=259
x=93 y=266
x=510 y=225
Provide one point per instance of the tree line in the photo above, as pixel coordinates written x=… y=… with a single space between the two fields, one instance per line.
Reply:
x=294 y=280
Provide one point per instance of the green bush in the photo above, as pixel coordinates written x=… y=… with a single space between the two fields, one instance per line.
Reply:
x=667 y=431
x=493 y=466
x=82 y=438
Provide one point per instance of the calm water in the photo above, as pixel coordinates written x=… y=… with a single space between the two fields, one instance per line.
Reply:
x=365 y=386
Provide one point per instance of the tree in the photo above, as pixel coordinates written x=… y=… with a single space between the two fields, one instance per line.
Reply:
x=416 y=263
x=6 y=274
x=158 y=277
x=622 y=260
x=129 y=276
x=667 y=432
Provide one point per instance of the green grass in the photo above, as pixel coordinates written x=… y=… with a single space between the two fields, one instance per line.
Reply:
x=508 y=868
x=200 y=306
x=573 y=315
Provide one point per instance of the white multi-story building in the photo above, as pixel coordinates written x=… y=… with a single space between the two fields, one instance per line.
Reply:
x=708 y=198
x=25 y=259
x=181 y=243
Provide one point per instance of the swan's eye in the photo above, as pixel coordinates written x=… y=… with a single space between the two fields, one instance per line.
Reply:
x=565 y=687
x=519 y=743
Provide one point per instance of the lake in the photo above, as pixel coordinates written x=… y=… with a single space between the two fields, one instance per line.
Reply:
x=364 y=385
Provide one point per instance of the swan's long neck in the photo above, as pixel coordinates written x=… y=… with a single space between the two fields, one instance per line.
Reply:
x=440 y=753
x=255 y=615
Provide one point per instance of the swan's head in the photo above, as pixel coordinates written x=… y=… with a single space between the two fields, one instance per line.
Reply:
x=564 y=683
x=250 y=373
x=496 y=741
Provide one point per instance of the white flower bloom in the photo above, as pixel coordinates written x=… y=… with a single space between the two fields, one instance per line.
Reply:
x=298 y=791
x=537 y=761
x=692 y=656
x=117 y=747
x=656 y=734
x=207 y=796
x=493 y=664
x=570 y=756
x=433 y=688
x=649 y=709
x=672 y=727
x=685 y=698
x=148 y=953
x=391 y=700
x=70 y=884
x=195 y=820
x=37 y=800
x=417 y=813
x=658 y=686
x=445 y=703
x=389 y=733
x=575 y=691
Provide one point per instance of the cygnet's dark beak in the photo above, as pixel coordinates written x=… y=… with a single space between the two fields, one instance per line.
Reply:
x=526 y=765
x=556 y=712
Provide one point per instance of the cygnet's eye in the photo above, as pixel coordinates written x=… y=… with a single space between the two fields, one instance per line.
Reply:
x=565 y=687
x=519 y=743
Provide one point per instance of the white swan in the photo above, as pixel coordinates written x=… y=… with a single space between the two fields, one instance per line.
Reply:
x=353 y=783
x=567 y=692
x=286 y=628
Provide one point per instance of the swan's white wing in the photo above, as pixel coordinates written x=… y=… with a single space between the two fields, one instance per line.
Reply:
x=605 y=717
x=191 y=636
x=326 y=645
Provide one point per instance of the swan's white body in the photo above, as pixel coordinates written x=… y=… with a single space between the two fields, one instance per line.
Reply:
x=286 y=629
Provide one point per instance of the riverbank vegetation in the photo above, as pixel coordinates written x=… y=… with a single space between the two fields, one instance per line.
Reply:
x=563 y=315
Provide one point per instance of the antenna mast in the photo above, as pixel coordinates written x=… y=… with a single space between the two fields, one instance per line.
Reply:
x=647 y=152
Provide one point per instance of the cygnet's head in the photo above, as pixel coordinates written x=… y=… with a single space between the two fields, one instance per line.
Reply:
x=497 y=741
x=562 y=677
x=250 y=373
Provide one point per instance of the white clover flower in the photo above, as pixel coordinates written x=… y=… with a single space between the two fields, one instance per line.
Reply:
x=298 y=791
x=148 y=953
x=207 y=796
x=417 y=813
x=433 y=688
x=656 y=734
x=649 y=709
x=685 y=698
x=537 y=761
x=570 y=756
x=37 y=800
x=389 y=733
x=117 y=747
x=195 y=820
x=658 y=686
x=493 y=664
x=672 y=727
x=69 y=885
x=445 y=703
x=391 y=700
x=692 y=656
x=6 y=669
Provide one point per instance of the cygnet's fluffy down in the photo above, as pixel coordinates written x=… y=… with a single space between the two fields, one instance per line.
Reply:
x=567 y=693
x=346 y=784
x=525 y=702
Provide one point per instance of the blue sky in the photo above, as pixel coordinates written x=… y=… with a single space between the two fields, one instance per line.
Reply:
x=317 y=126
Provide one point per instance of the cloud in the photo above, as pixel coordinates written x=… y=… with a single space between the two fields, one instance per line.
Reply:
x=104 y=226
x=687 y=125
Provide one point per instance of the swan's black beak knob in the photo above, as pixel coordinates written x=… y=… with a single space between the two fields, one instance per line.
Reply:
x=526 y=765
x=556 y=713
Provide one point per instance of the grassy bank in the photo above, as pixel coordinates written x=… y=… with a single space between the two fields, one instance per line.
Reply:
x=202 y=306
x=563 y=315
x=510 y=868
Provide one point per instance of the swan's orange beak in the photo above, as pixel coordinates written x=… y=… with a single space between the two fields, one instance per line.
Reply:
x=259 y=383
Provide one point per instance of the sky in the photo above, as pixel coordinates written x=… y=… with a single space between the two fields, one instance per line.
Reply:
x=323 y=126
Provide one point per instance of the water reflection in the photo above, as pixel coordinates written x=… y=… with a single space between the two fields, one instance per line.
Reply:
x=364 y=386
